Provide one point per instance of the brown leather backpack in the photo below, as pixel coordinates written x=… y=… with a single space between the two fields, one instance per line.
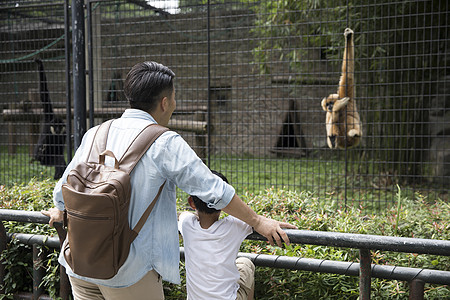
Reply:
x=97 y=198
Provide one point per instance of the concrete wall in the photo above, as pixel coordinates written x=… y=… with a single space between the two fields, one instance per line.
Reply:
x=248 y=108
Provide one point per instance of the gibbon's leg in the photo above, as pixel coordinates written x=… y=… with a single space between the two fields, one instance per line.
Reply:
x=330 y=137
x=333 y=130
x=352 y=133
x=355 y=131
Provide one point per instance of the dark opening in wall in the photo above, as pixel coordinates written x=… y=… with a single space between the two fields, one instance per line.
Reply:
x=290 y=140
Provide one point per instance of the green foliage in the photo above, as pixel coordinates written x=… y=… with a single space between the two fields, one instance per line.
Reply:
x=295 y=26
x=18 y=263
x=415 y=218
x=32 y=196
x=409 y=218
x=51 y=279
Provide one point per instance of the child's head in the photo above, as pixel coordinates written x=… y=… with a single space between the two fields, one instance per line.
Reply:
x=202 y=206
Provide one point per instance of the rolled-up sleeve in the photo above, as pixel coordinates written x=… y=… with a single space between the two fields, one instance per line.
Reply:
x=227 y=194
x=180 y=164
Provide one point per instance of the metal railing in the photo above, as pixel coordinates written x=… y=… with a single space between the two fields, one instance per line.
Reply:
x=364 y=242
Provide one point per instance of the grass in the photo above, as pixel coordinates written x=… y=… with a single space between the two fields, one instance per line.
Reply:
x=354 y=184
x=18 y=167
x=357 y=183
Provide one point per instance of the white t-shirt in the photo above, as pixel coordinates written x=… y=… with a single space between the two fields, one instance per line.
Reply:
x=210 y=255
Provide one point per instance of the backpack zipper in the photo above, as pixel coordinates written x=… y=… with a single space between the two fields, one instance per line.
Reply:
x=81 y=216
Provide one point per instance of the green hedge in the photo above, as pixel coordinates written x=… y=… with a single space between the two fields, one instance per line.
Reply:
x=18 y=260
x=410 y=218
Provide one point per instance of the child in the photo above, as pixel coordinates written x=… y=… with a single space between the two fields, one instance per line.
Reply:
x=211 y=246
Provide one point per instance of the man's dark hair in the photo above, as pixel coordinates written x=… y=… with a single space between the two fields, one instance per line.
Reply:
x=202 y=206
x=145 y=84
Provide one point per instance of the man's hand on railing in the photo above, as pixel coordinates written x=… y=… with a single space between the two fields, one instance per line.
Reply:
x=272 y=230
x=56 y=215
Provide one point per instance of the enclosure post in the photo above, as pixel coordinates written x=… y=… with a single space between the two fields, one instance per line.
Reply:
x=364 y=274
x=416 y=289
x=208 y=151
x=3 y=242
x=68 y=94
x=79 y=71
x=38 y=271
x=90 y=65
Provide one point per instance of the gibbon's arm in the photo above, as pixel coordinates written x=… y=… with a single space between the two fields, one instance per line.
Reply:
x=346 y=84
x=334 y=105
x=340 y=104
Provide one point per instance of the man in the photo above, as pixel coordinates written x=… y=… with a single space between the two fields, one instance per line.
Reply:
x=154 y=254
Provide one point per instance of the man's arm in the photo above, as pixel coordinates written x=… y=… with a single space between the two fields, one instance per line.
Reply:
x=271 y=229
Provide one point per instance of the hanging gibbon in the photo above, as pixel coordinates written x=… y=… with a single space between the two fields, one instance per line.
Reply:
x=49 y=150
x=343 y=125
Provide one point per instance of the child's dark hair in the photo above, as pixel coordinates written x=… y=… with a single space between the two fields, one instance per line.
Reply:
x=202 y=206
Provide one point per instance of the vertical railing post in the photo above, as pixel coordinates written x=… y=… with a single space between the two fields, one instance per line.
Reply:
x=364 y=274
x=64 y=284
x=38 y=271
x=3 y=243
x=416 y=289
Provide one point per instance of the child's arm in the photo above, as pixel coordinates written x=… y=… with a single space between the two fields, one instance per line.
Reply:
x=181 y=216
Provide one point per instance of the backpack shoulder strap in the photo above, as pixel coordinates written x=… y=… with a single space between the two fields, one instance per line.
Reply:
x=99 y=142
x=147 y=212
x=139 y=146
x=133 y=154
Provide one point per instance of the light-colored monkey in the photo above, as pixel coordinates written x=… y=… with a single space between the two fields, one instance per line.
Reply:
x=343 y=124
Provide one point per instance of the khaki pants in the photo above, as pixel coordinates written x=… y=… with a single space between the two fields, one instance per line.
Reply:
x=247 y=279
x=149 y=287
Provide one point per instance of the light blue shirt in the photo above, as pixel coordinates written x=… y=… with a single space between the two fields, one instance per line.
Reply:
x=169 y=159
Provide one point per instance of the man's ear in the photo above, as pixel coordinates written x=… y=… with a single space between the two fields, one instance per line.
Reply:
x=191 y=202
x=164 y=103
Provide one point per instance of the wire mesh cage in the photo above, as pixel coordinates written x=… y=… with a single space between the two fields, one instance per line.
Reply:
x=250 y=80
x=33 y=90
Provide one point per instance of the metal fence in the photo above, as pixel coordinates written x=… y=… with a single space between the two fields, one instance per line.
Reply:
x=364 y=269
x=251 y=76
